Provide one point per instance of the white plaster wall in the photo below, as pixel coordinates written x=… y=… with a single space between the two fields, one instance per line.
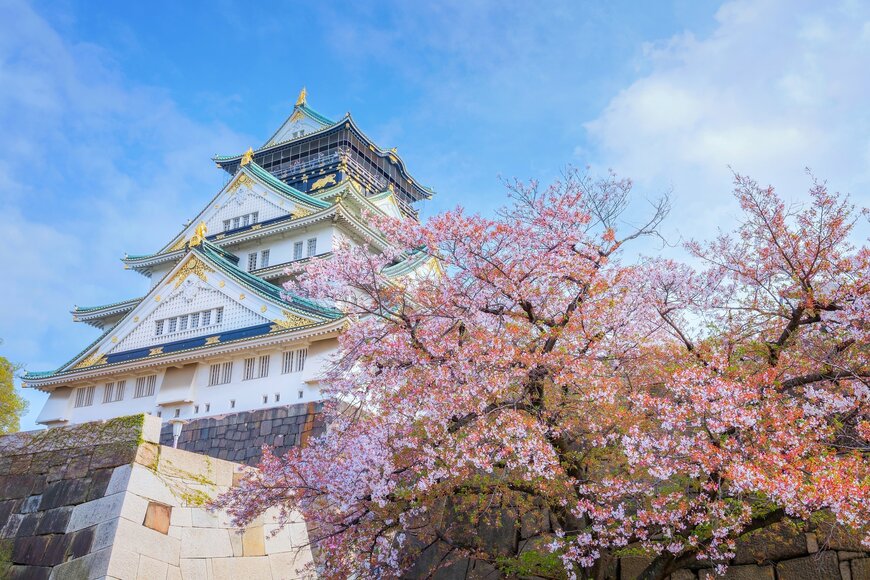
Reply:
x=281 y=246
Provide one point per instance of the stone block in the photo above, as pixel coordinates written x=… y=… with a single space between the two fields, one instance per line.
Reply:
x=124 y=562
x=104 y=534
x=31 y=504
x=776 y=542
x=203 y=518
x=254 y=541
x=99 y=483
x=19 y=464
x=749 y=572
x=236 y=543
x=151 y=569
x=206 y=543
x=148 y=454
x=119 y=479
x=113 y=454
x=181 y=517
x=630 y=567
x=834 y=536
x=54 y=521
x=145 y=541
x=682 y=575
x=29 y=550
x=194 y=569
x=55 y=550
x=28 y=525
x=860 y=569
x=235 y=568
x=812 y=543
x=10 y=528
x=153 y=487
x=93 y=565
x=77 y=467
x=290 y=565
x=64 y=492
x=851 y=555
x=81 y=542
x=97 y=511
x=9 y=507
x=16 y=486
x=151 y=429
x=134 y=508
x=157 y=517
x=173 y=573
x=29 y=573
x=846 y=571
x=819 y=566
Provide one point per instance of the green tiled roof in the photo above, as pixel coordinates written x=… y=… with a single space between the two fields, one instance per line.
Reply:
x=291 y=192
x=106 y=306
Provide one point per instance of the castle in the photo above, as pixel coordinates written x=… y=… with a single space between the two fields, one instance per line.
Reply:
x=215 y=334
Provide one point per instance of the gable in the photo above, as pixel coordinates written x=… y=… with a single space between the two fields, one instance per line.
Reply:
x=297 y=125
x=194 y=288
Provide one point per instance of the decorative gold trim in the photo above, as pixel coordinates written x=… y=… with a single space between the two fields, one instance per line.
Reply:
x=302 y=99
x=93 y=360
x=256 y=226
x=198 y=234
x=290 y=321
x=323 y=182
x=155 y=351
x=194 y=266
x=212 y=340
x=241 y=296
x=247 y=157
x=157 y=298
x=263 y=308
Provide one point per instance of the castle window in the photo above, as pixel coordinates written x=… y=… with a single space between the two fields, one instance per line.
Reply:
x=145 y=386
x=255 y=217
x=227 y=372
x=159 y=327
x=246 y=220
x=218 y=315
x=249 y=369
x=312 y=247
x=297 y=251
x=84 y=396
x=206 y=317
x=252 y=261
x=265 y=399
x=220 y=374
x=236 y=222
x=232 y=403
x=293 y=361
x=178 y=412
x=182 y=323
x=196 y=409
x=194 y=320
x=207 y=407
x=264 y=366
x=173 y=322
x=264 y=258
x=114 y=392
x=277 y=397
x=301 y=394
x=228 y=225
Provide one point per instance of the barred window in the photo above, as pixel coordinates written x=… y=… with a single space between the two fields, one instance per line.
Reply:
x=159 y=327
x=114 y=391
x=206 y=317
x=227 y=372
x=255 y=217
x=297 y=251
x=252 y=261
x=293 y=361
x=264 y=366
x=214 y=375
x=188 y=321
x=312 y=247
x=218 y=315
x=173 y=322
x=145 y=386
x=264 y=258
x=194 y=320
x=228 y=225
x=249 y=369
x=84 y=396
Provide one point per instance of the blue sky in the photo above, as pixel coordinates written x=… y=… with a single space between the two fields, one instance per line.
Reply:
x=110 y=112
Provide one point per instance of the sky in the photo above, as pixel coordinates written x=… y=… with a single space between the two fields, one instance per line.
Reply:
x=110 y=113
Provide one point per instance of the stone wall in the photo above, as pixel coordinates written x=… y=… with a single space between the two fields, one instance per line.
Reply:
x=105 y=500
x=239 y=437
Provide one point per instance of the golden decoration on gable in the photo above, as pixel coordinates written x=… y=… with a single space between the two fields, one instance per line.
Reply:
x=93 y=360
x=194 y=266
x=241 y=181
x=301 y=212
x=155 y=351
x=296 y=116
x=263 y=308
x=135 y=319
x=302 y=98
x=212 y=340
x=323 y=182
x=157 y=298
x=247 y=157
x=290 y=321
x=178 y=245
x=198 y=234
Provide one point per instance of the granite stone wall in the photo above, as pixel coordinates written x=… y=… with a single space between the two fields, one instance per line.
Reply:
x=239 y=437
x=47 y=480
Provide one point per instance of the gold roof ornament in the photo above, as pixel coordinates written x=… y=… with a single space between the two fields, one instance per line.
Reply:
x=247 y=157
x=198 y=234
x=303 y=98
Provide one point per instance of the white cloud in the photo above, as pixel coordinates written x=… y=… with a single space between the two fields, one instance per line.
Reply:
x=776 y=87
x=92 y=165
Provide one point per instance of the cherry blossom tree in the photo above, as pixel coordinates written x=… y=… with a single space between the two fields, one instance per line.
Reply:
x=533 y=383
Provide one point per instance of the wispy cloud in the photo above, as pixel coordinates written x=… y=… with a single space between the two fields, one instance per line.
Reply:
x=92 y=165
x=776 y=87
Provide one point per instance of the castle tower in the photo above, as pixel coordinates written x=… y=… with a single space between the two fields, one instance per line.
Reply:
x=215 y=333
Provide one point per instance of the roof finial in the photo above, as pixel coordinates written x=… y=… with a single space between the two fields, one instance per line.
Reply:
x=248 y=156
x=303 y=98
x=198 y=234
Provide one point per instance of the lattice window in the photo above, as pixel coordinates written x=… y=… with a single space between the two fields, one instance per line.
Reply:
x=84 y=396
x=312 y=247
x=264 y=366
x=114 y=391
x=190 y=321
x=297 y=251
x=159 y=327
x=293 y=361
x=145 y=386
x=264 y=258
x=252 y=261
